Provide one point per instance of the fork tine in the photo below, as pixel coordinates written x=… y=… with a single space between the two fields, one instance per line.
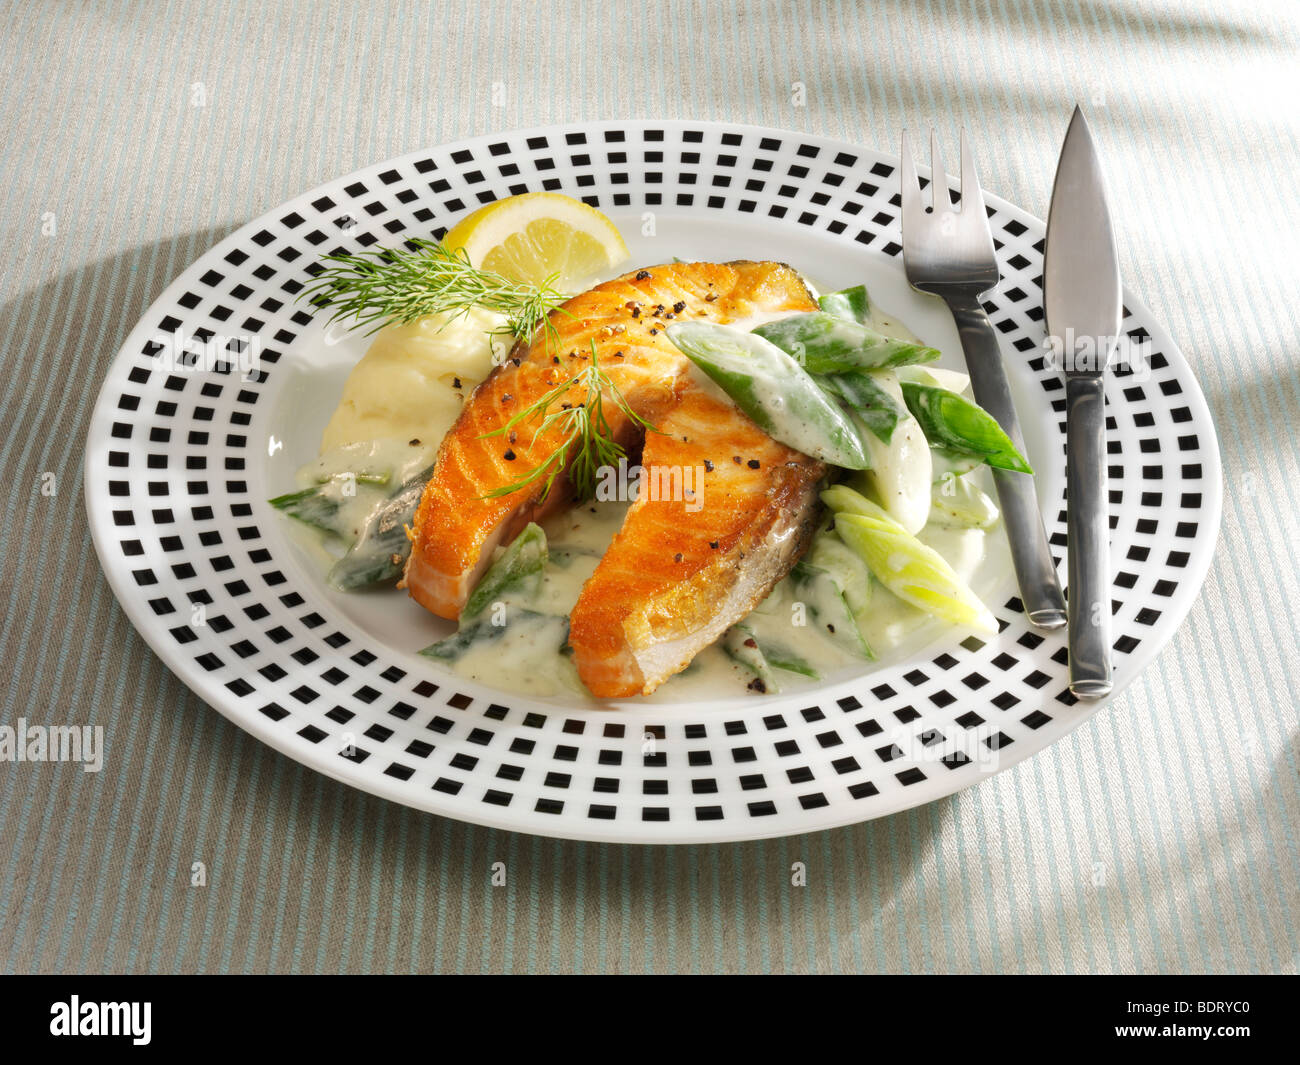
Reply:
x=910 y=187
x=971 y=196
x=939 y=194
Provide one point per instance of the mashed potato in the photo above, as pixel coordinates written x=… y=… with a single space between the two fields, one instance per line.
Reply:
x=412 y=382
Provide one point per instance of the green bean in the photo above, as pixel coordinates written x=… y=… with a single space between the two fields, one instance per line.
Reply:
x=954 y=422
x=484 y=630
x=774 y=390
x=380 y=551
x=375 y=477
x=519 y=569
x=761 y=656
x=823 y=343
x=318 y=507
x=742 y=647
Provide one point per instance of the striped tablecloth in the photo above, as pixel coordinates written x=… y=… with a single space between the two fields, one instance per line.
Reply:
x=1161 y=836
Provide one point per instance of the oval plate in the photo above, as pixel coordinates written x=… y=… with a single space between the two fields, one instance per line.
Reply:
x=180 y=462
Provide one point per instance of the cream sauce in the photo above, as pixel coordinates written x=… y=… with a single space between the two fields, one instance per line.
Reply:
x=527 y=658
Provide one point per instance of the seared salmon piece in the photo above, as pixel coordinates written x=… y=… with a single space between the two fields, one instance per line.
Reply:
x=690 y=561
x=684 y=568
x=456 y=526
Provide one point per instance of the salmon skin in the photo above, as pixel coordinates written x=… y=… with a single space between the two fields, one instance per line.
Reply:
x=683 y=567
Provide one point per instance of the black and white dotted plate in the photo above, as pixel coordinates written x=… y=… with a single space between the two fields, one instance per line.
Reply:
x=180 y=460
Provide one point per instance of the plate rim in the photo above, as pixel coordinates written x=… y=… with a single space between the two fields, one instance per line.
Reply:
x=300 y=750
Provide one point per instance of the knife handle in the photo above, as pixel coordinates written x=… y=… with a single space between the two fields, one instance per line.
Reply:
x=1089 y=567
x=1040 y=590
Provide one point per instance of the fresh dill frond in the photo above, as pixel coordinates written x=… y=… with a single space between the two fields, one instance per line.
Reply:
x=397 y=285
x=583 y=426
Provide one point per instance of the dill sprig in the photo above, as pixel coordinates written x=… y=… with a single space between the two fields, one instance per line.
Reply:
x=583 y=425
x=398 y=285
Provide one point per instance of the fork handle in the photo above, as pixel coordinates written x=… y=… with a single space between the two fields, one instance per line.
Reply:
x=1040 y=590
x=1085 y=485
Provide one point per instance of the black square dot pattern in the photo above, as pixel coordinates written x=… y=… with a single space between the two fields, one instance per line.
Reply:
x=178 y=513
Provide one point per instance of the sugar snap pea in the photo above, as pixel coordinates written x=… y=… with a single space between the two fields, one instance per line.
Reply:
x=824 y=343
x=872 y=404
x=769 y=386
x=851 y=303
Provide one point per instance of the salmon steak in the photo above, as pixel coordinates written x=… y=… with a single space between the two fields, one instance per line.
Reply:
x=687 y=564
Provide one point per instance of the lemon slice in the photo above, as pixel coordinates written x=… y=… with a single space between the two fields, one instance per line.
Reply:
x=540 y=236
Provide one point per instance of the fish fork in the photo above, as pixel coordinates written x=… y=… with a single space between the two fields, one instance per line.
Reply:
x=948 y=252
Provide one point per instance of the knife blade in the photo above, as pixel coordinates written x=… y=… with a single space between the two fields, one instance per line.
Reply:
x=1081 y=286
x=1084 y=305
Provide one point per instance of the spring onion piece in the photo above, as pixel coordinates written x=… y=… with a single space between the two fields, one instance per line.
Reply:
x=517 y=571
x=850 y=574
x=958 y=503
x=900 y=474
x=955 y=422
x=823 y=343
x=913 y=571
x=380 y=551
x=874 y=406
x=849 y=303
x=769 y=386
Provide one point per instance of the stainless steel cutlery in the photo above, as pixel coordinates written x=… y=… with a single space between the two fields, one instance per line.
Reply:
x=948 y=251
x=1081 y=293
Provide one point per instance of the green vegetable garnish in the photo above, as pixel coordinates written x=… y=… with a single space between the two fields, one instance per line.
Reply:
x=381 y=549
x=913 y=571
x=954 y=422
x=851 y=303
x=517 y=571
x=825 y=597
x=760 y=657
x=957 y=503
x=513 y=579
x=774 y=390
x=872 y=404
x=376 y=288
x=823 y=343
x=481 y=631
x=318 y=507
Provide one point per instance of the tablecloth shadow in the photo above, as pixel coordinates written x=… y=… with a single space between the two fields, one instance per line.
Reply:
x=67 y=330
x=74 y=324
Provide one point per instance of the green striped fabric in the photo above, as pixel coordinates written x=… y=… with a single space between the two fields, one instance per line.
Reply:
x=1164 y=835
